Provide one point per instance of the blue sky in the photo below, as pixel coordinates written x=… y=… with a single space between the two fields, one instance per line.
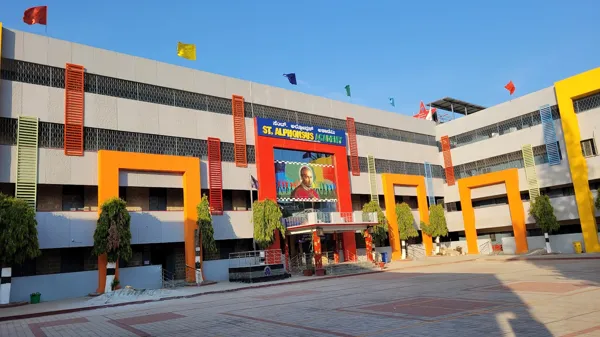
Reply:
x=409 y=50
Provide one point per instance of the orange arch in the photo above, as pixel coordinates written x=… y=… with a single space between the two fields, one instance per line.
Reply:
x=389 y=180
x=109 y=165
x=508 y=177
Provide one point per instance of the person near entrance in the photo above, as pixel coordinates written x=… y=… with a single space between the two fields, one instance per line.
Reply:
x=305 y=189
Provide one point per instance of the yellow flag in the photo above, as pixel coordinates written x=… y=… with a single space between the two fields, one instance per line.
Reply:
x=187 y=51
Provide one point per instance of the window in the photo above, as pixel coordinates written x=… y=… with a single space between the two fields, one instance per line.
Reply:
x=72 y=197
x=588 y=147
x=157 y=199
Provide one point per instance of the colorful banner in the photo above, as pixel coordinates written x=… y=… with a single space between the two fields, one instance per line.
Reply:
x=296 y=181
x=278 y=129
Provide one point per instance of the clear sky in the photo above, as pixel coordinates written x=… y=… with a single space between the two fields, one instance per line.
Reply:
x=409 y=50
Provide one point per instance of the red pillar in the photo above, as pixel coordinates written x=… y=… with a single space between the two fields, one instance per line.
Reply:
x=287 y=254
x=369 y=245
x=349 y=244
x=274 y=251
x=336 y=251
x=317 y=251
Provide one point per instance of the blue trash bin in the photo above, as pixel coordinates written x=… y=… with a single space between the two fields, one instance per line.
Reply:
x=384 y=256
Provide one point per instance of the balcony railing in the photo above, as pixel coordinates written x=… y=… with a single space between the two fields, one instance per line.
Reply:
x=318 y=217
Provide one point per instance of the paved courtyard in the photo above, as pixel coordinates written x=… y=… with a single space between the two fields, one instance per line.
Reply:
x=476 y=298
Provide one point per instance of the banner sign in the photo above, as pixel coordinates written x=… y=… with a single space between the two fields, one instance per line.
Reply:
x=294 y=131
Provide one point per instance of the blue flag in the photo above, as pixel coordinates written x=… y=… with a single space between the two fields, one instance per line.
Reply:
x=291 y=77
x=392 y=102
x=254 y=182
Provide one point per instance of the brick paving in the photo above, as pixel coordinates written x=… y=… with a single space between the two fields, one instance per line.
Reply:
x=475 y=298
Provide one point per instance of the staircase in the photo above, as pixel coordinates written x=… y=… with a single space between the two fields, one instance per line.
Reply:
x=347 y=268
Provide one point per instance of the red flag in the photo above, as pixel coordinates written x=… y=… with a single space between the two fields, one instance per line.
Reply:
x=35 y=15
x=510 y=87
x=424 y=113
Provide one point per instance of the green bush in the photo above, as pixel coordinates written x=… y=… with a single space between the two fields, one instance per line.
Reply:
x=266 y=218
x=597 y=203
x=406 y=220
x=113 y=233
x=542 y=211
x=18 y=232
x=437 y=222
x=207 y=233
x=381 y=230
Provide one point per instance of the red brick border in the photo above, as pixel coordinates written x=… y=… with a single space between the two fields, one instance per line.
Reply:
x=581 y=332
x=329 y=332
x=127 y=322
x=36 y=328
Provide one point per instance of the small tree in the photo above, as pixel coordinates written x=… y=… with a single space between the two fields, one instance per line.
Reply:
x=266 y=217
x=379 y=231
x=542 y=211
x=18 y=236
x=437 y=225
x=406 y=228
x=113 y=235
x=206 y=230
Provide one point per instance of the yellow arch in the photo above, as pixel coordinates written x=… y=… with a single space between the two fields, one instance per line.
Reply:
x=389 y=180
x=109 y=165
x=567 y=90
x=510 y=178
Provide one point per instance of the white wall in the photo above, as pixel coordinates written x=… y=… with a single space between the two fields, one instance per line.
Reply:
x=497 y=113
x=41 y=49
x=61 y=286
x=76 y=229
x=562 y=243
x=565 y=208
x=547 y=176
x=216 y=270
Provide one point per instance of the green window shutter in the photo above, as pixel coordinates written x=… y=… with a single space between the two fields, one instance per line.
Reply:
x=27 y=159
x=530 y=173
x=372 y=178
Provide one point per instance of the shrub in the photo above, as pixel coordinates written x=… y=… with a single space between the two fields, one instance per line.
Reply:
x=266 y=217
x=18 y=232
x=113 y=233
x=381 y=229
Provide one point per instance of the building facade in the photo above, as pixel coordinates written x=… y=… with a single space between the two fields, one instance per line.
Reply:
x=104 y=124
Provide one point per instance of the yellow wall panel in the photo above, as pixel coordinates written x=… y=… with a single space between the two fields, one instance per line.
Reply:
x=567 y=90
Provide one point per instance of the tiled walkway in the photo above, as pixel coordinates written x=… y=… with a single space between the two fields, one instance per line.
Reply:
x=476 y=298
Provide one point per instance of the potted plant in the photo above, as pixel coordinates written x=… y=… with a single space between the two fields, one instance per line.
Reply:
x=308 y=272
x=34 y=298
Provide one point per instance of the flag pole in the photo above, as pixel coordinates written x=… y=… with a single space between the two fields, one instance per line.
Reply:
x=251 y=209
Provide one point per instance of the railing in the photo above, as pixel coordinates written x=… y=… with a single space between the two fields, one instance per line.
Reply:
x=254 y=258
x=355 y=264
x=318 y=217
x=168 y=279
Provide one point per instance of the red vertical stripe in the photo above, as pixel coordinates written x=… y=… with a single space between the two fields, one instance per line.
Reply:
x=215 y=176
x=239 y=131
x=354 y=166
x=449 y=168
x=265 y=170
x=74 y=106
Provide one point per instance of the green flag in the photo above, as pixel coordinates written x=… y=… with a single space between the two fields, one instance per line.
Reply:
x=348 y=90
